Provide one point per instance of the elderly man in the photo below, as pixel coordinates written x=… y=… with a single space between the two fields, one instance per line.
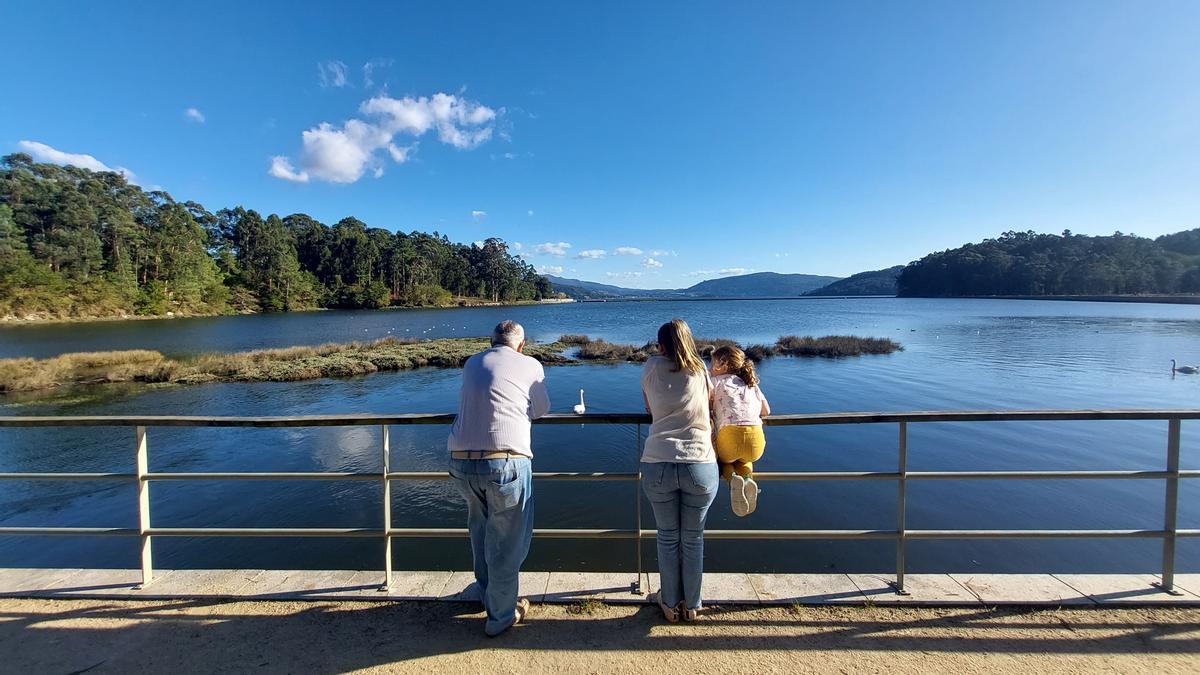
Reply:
x=502 y=391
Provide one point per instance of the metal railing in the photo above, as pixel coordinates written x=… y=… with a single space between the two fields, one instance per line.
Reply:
x=143 y=477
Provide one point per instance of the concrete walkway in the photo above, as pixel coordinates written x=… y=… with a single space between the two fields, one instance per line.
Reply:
x=945 y=590
x=217 y=636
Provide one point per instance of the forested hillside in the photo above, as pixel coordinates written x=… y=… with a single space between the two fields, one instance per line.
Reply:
x=1027 y=263
x=77 y=243
x=875 y=282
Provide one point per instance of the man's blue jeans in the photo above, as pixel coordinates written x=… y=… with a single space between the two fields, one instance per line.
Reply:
x=680 y=494
x=499 y=495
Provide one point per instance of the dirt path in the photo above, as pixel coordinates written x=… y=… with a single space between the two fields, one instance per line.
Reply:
x=73 y=636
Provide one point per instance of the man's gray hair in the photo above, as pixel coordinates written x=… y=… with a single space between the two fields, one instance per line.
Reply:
x=508 y=333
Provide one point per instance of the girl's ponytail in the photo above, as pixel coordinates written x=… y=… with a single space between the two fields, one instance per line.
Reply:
x=746 y=372
x=737 y=363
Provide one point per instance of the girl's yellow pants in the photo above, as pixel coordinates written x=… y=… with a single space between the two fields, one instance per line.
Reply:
x=737 y=449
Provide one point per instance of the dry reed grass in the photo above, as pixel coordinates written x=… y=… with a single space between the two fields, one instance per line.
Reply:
x=290 y=364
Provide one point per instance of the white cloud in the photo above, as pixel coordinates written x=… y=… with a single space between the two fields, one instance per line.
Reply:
x=700 y=273
x=516 y=246
x=651 y=263
x=622 y=275
x=660 y=253
x=550 y=269
x=552 y=248
x=368 y=69
x=194 y=115
x=781 y=255
x=478 y=244
x=627 y=250
x=734 y=270
x=478 y=214
x=282 y=168
x=343 y=154
x=332 y=74
x=44 y=153
x=591 y=253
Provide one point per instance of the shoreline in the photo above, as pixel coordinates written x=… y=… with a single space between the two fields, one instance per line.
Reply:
x=463 y=303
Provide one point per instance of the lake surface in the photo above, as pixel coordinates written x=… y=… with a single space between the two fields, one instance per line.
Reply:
x=959 y=354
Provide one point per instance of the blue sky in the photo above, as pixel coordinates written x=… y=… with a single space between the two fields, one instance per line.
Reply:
x=649 y=145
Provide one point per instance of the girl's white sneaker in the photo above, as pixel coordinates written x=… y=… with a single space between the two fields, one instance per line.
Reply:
x=750 y=492
x=737 y=496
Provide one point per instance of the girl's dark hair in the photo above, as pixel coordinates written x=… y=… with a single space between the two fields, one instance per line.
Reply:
x=738 y=364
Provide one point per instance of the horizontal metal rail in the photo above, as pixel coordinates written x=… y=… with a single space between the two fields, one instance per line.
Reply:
x=806 y=419
x=604 y=476
x=576 y=533
x=143 y=478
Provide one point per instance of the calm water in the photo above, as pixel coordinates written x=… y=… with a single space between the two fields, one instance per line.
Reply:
x=969 y=354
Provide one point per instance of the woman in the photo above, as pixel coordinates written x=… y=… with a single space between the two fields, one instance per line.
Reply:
x=679 y=466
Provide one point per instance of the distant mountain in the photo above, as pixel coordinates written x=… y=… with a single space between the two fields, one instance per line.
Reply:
x=875 y=282
x=591 y=290
x=758 y=285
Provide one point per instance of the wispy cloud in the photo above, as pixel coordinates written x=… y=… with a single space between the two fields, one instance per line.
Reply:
x=622 y=275
x=661 y=253
x=530 y=212
x=281 y=167
x=552 y=248
x=332 y=74
x=550 y=269
x=194 y=115
x=44 y=153
x=591 y=253
x=370 y=67
x=516 y=246
x=728 y=271
x=700 y=273
x=342 y=154
x=651 y=263
x=478 y=214
x=627 y=250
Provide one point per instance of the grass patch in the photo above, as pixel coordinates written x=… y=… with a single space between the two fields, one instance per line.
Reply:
x=603 y=350
x=288 y=364
x=587 y=607
x=292 y=364
x=833 y=346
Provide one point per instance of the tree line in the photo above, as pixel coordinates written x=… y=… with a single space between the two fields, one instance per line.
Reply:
x=1028 y=263
x=79 y=243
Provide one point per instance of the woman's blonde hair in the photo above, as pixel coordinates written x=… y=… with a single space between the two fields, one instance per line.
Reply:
x=676 y=343
x=736 y=362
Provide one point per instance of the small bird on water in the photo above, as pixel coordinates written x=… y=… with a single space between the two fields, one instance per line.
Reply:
x=1186 y=370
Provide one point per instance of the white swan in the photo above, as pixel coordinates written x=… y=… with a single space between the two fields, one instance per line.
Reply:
x=581 y=408
x=1186 y=370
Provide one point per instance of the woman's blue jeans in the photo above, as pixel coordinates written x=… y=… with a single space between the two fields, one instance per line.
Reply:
x=680 y=494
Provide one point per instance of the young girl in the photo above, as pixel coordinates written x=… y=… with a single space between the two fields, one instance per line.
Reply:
x=738 y=407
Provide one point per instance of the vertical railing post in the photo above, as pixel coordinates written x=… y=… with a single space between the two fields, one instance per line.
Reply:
x=143 y=492
x=901 y=506
x=1171 y=507
x=637 y=500
x=387 y=513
